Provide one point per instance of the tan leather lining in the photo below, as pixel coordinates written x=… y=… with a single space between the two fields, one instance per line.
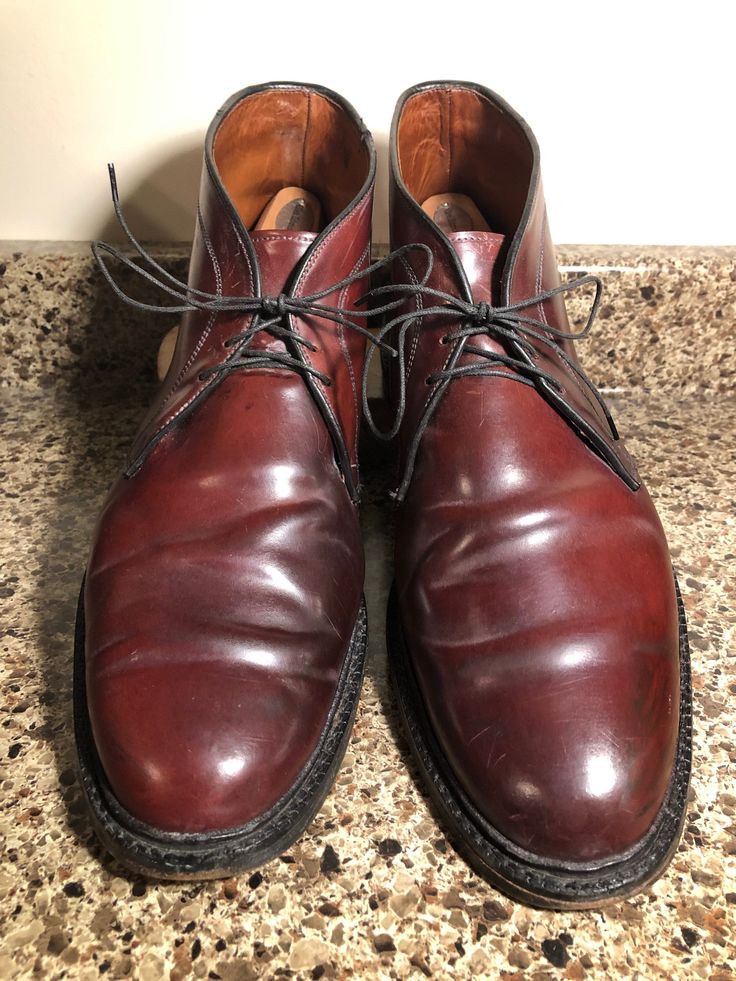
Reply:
x=285 y=137
x=454 y=140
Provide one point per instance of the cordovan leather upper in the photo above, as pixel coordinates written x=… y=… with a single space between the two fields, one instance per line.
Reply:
x=535 y=588
x=226 y=571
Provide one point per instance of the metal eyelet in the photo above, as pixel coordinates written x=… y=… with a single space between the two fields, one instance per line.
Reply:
x=444 y=340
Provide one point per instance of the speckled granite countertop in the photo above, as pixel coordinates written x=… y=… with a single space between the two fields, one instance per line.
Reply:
x=374 y=889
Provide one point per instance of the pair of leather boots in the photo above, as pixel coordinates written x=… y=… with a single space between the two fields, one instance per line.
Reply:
x=536 y=637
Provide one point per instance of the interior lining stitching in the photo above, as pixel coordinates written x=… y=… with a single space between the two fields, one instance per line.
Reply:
x=449 y=141
x=306 y=136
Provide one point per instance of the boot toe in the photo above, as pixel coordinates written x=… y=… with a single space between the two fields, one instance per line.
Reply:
x=195 y=751
x=577 y=775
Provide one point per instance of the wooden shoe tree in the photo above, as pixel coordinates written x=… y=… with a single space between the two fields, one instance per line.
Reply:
x=455 y=213
x=479 y=250
x=291 y=209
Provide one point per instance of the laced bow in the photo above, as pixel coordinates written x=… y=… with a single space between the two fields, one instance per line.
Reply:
x=514 y=329
x=271 y=313
x=507 y=324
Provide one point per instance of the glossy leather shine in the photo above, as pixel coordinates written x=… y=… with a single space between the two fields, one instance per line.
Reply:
x=226 y=572
x=535 y=589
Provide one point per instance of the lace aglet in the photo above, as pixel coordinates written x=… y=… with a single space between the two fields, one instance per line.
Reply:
x=113 y=183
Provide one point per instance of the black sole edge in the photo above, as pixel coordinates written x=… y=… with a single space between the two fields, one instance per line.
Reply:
x=167 y=855
x=529 y=883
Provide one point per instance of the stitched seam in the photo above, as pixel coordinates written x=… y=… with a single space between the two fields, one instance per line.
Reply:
x=305 y=353
x=540 y=268
x=295 y=237
x=306 y=132
x=196 y=394
x=343 y=343
x=543 y=317
x=353 y=219
x=449 y=139
x=467 y=237
x=208 y=327
x=244 y=253
x=418 y=305
x=433 y=388
x=346 y=352
x=174 y=416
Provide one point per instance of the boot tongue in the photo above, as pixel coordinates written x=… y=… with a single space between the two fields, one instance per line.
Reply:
x=278 y=251
x=478 y=254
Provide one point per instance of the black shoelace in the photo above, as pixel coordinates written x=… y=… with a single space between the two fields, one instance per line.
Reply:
x=510 y=326
x=271 y=313
x=507 y=324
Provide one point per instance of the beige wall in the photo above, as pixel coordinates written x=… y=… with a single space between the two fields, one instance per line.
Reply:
x=632 y=102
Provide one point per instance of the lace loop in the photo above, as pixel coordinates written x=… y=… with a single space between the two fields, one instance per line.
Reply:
x=502 y=323
x=270 y=313
x=509 y=324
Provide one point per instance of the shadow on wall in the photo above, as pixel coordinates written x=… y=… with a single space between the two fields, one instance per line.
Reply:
x=163 y=206
x=100 y=397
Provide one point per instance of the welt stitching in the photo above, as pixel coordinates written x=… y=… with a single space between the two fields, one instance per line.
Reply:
x=339 y=719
